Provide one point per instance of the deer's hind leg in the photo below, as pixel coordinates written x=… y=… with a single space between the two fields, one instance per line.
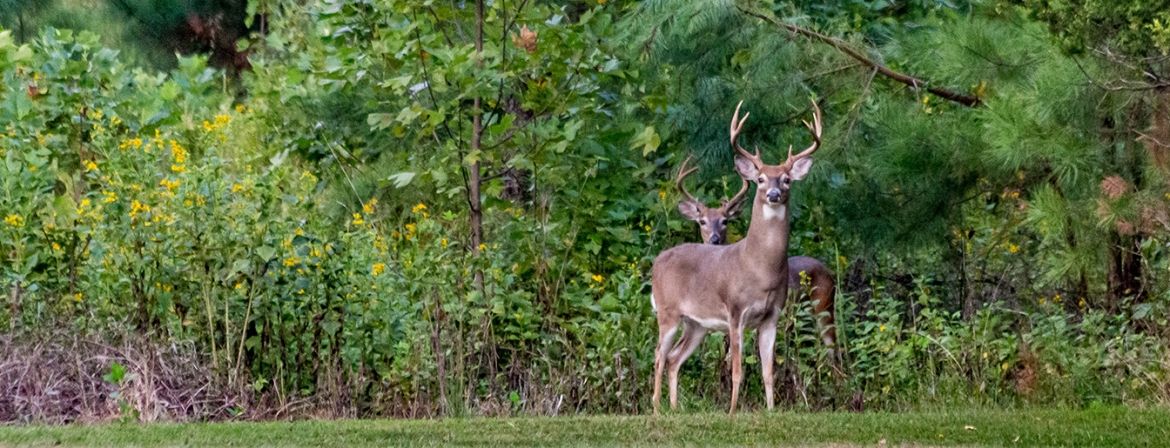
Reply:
x=667 y=326
x=692 y=337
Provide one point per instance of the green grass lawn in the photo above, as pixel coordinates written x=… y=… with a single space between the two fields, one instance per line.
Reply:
x=1102 y=427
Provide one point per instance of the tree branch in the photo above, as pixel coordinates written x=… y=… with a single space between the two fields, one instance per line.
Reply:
x=914 y=82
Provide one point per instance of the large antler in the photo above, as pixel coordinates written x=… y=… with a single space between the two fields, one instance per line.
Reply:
x=736 y=127
x=814 y=128
x=683 y=172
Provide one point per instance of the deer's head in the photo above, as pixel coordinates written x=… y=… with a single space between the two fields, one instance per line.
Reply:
x=712 y=221
x=774 y=181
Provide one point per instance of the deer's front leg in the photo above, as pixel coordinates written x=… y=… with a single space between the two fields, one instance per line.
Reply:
x=767 y=339
x=735 y=335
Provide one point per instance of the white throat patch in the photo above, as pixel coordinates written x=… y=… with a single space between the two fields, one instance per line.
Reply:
x=780 y=212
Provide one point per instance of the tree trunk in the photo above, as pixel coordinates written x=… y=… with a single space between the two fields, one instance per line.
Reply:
x=475 y=179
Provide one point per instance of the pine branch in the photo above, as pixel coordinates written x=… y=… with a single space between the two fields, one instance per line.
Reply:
x=914 y=82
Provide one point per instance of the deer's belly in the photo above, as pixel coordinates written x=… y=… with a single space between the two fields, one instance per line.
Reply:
x=712 y=324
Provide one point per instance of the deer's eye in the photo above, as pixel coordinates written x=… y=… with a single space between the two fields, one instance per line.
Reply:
x=760 y=179
x=702 y=222
x=787 y=180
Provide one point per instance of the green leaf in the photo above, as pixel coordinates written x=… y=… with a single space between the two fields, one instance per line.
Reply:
x=266 y=253
x=648 y=140
x=401 y=179
x=379 y=121
x=169 y=91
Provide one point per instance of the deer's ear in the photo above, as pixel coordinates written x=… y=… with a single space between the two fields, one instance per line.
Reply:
x=746 y=168
x=800 y=168
x=690 y=209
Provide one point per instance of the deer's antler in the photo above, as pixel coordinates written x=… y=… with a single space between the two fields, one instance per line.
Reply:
x=732 y=204
x=736 y=127
x=683 y=172
x=814 y=128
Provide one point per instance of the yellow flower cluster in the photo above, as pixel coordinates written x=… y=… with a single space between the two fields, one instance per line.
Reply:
x=221 y=120
x=131 y=143
x=420 y=209
x=14 y=220
x=90 y=166
x=377 y=269
x=170 y=185
x=598 y=278
x=411 y=230
x=291 y=261
x=358 y=220
x=179 y=154
x=137 y=208
x=368 y=207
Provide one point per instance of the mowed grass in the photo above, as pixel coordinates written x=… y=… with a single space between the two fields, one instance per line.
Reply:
x=1099 y=427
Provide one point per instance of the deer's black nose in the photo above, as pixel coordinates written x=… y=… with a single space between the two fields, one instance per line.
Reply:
x=715 y=239
x=774 y=195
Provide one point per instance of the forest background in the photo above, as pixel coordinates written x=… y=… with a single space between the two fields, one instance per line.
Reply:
x=219 y=209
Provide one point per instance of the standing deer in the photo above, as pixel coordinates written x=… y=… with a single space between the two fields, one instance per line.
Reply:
x=736 y=287
x=712 y=223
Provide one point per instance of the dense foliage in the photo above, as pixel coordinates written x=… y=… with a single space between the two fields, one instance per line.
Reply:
x=418 y=208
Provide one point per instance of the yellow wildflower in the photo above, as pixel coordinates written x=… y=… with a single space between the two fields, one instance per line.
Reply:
x=240 y=108
x=299 y=231
x=291 y=261
x=443 y=242
x=647 y=228
x=222 y=119
x=661 y=195
x=598 y=278
x=882 y=327
x=90 y=165
x=1013 y=248
x=77 y=297
x=418 y=208
x=133 y=143
x=170 y=185
x=14 y=220
x=357 y=219
x=482 y=247
x=109 y=196
x=377 y=269
x=236 y=188
x=137 y=208
x=178 y=169
x=56 y=247
x=411 y=228
x=368 y=207
x=1056 y=298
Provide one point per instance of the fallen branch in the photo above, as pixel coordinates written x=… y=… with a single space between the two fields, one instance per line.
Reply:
x=917 y=83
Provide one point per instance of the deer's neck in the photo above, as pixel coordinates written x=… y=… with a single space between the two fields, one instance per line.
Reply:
x=767 y=236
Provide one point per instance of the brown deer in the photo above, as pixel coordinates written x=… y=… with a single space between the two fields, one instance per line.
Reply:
x=712 y=223
x=734 y=287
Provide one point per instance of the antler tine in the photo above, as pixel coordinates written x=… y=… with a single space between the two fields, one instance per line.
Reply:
x=683 y=172
x=734 y=202
x=814 y=128
x=736 y=127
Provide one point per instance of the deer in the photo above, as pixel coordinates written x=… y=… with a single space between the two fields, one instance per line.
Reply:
x=712 y=222
x=735 y=287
